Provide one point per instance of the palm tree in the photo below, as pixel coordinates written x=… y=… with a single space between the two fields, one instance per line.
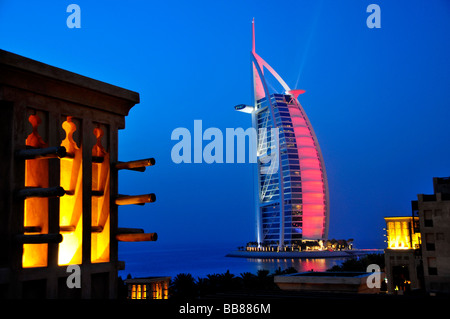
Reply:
x=290 y=270
x=278 y=272
x=247 y=276
x=227 y=275
x=248 y=280
x=203 y=287
x=183 y=286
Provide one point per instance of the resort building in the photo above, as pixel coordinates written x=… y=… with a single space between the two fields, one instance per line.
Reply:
x=292 y=202
x=148 y=288
x=59 y=167
x=417 y=256
x=434 y=223
x=402 y=257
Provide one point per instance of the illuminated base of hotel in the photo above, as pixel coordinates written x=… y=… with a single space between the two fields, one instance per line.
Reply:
x=303 y=254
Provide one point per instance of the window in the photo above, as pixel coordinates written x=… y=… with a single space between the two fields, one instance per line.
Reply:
x=432 y=271
x=139 y=291
x=428 y=218
x=138 y=295
x=432 y=267
x=429 y=242
x=133 y=292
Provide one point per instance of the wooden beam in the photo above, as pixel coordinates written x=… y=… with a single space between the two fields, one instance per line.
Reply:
x=96 y=229
x=138 y=165
x=67 y=229
x=42 y=153
x=137 y=237
x=97 y=159
x=130 y=231
x=40 y=192
x=97 y=193
x=32 y=229
x=40 y=239
x=135 y=199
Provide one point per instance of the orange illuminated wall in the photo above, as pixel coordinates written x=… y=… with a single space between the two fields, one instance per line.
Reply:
x=100 y=237
x=71 y=215
x=70 y=205
x=35 y=208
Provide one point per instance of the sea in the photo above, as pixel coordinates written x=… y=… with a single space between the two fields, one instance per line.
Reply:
x=200 y=260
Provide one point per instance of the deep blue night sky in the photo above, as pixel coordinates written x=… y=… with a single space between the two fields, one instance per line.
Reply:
x=378 y=99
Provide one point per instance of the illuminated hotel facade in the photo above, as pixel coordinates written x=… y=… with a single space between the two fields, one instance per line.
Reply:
x=292 y=201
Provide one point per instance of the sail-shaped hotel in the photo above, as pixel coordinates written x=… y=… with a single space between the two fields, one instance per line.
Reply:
x=292 y=202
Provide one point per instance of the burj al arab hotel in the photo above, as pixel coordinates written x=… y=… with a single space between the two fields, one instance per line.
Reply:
x=292 y=201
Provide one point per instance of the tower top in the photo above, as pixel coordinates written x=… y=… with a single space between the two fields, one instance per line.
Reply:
x=253 y=35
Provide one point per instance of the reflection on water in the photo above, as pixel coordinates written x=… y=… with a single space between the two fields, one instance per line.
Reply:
x=301 y=265
x=201 y=261
x=306 y=264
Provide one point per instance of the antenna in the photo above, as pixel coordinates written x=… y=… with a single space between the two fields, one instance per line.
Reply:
x=253 y=35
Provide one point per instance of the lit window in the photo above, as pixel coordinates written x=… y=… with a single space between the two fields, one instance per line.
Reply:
x=133 y=292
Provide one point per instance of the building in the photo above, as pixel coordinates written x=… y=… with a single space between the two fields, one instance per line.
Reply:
x=59 y=169
x=329 y=281
x=148 y=288
x=434 y=223
x=417 y=256
x=292 y=201
x=402 y=257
